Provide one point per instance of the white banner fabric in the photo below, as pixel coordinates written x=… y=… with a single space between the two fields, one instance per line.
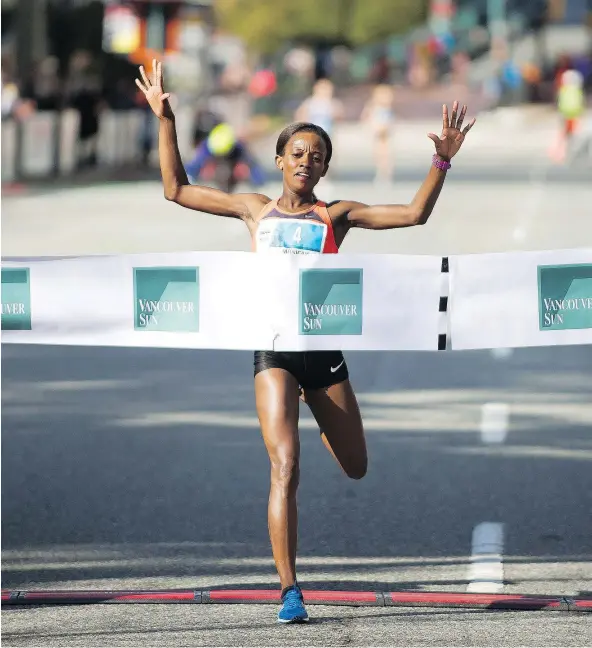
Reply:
x=521 y=299
x=225 y=300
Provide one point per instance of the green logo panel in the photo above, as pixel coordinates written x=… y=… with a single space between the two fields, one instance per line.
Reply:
x=331 y=302
x=16 y=299
x=166 y=299
x=565 y=297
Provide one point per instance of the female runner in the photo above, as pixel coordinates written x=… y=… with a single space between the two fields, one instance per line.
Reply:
x=321 y=377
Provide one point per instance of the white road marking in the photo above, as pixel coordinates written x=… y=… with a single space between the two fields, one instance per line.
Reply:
x=532 y=206
x=486 y=572
x=494 y=422
x=502 y=353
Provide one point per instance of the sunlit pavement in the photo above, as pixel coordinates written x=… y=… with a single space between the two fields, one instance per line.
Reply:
x=144 y=468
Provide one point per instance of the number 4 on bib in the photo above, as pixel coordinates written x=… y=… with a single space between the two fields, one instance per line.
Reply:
x=298 y=235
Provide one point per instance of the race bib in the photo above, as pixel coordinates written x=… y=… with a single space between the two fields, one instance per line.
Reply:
x=291 y=236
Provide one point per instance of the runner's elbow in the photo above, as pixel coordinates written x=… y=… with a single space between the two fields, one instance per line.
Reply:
x=418 y=216
x=171 y=193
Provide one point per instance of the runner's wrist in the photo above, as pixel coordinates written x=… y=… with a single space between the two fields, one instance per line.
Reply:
x=441 y=162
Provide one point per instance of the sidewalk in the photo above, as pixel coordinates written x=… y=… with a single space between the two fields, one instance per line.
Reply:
x=512 y=137
x=504 y=144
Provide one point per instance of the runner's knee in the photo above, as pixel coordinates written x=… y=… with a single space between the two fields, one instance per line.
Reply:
x=285 y=470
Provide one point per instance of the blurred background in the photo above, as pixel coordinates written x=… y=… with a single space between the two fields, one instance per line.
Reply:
x=69 y=102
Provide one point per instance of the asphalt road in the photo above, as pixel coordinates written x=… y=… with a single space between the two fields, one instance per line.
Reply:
x=138 y=468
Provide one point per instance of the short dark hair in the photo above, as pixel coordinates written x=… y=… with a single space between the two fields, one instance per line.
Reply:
x=303 y=127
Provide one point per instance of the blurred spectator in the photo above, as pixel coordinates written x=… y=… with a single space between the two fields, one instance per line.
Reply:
x=263 y=83
x=341 y=61
x=13 y=104
x=84 y=93
x=147 y=133
x=44 y=86
x=420 y=66
x=321 y=108
x=563 y=64
x=323 y=63
x=222 y=145
x=10 y=95
x=511 y=82
x=532 y=76
x=570 y=99
x=300 y=62
x=381 y=70
x=122 y=96
x=235 y=76
x=205 y=121
x=460 y=68
x=378 y=114
x=571 y=104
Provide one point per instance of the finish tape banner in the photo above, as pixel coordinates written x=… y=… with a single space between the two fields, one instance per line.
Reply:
x=521 y=299
x=225 y=300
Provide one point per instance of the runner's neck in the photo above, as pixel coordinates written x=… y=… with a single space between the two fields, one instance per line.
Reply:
x=296 y=203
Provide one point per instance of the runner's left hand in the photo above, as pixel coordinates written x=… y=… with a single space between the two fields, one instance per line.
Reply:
x=449 y=142
x=153 y=89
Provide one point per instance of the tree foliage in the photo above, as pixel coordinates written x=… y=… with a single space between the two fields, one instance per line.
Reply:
x=374 y=20
x=266 y=24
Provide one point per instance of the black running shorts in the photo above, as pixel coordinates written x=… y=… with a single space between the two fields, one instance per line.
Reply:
x=312 y=369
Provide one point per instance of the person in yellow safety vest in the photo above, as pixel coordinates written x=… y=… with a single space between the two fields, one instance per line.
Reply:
x=571 y=104
x=571 y=100
x=222 y=142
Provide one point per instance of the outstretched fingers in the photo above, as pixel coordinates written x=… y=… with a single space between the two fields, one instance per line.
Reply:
x=445 y=121
x=159 y=73
x=461 y=117
x=155 y=76
x=145 y=78
x=469 y=126
x=457 y=123
x=453 y=121
x=453 y=116
x=141 y=86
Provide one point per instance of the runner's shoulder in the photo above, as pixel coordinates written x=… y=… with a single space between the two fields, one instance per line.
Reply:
x=339 y=209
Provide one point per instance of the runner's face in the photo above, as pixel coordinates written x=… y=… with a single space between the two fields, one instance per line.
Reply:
x=303 y=163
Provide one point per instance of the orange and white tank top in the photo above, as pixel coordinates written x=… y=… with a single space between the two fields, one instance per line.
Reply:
x=309 y=231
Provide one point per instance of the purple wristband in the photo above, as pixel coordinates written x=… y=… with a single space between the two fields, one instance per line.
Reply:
x=441 y=164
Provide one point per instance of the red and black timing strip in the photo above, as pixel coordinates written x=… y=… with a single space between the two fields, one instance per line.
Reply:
x=312 y=597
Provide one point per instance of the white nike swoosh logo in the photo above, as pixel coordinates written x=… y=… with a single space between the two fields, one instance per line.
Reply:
x=334 y=369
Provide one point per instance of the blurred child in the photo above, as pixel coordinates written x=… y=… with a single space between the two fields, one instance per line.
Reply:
x=378 y=114
x=324 y=110
x=321 y=108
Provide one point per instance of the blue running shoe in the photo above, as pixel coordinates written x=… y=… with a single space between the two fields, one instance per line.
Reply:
x=292 y=610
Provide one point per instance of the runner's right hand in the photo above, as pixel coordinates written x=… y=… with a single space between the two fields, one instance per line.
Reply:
x=154 y=92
